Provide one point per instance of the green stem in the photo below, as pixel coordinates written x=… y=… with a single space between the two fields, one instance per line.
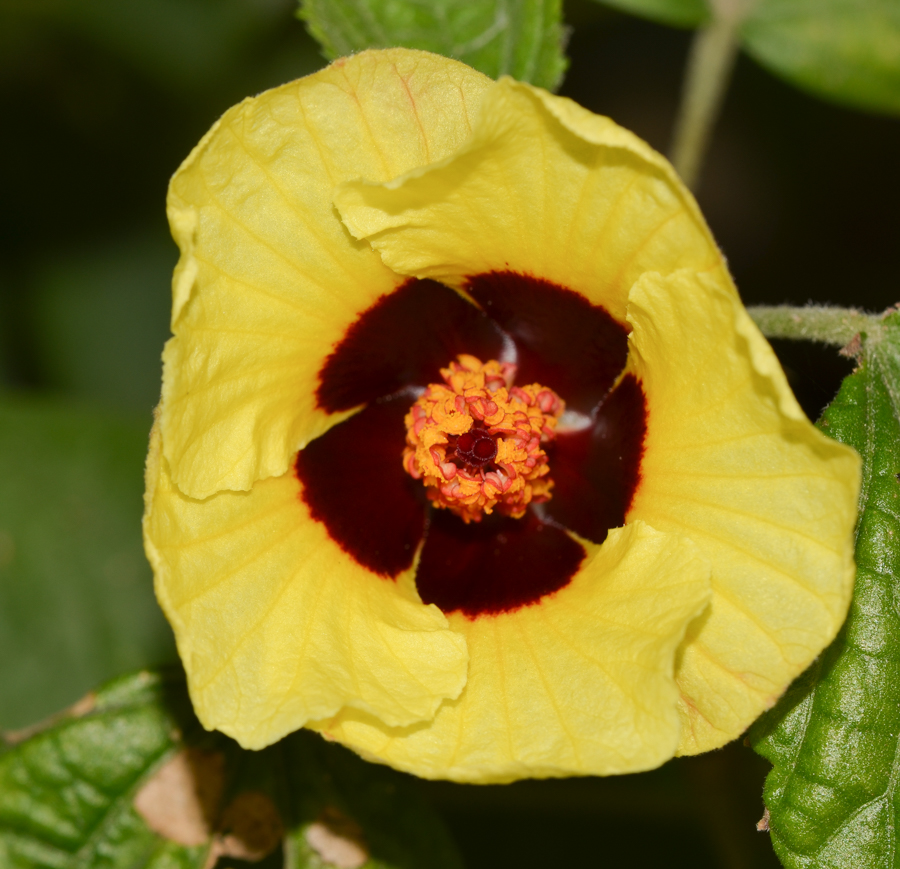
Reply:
x=828 y=325
x=710 y=62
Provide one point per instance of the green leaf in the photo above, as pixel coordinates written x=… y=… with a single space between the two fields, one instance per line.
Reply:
x=521 y=38
x=833 y=738
x=847 y=51
x=92 y=790
x=76 y=598
x=843 y=50
x=66 y=794
x=677 y=13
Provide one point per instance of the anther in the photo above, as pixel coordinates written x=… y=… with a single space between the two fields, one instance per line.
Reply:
x=476 y=441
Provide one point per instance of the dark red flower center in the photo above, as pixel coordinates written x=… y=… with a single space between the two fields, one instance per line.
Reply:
x=394 y=350
x=474 y=449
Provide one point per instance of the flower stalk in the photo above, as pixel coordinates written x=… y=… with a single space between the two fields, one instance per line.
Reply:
x=710 y=62
x=823 y=323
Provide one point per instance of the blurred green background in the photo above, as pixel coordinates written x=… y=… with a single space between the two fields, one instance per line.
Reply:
x=102 y=101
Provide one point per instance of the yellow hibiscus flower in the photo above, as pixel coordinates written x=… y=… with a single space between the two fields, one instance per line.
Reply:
x=468 y=455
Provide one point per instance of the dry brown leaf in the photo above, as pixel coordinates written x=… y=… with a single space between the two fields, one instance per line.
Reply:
x=180 y=800
x=338 y=840
x=250 y=826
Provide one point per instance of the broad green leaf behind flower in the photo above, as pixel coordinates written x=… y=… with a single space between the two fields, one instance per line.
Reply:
x=847 y=51
x=843 y=50
x=521 y=38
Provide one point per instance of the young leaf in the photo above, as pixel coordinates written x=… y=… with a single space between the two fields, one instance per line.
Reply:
x=130 y=779
x=843 y=50
x=521 y=38
x=76 y=594
x=833 y=738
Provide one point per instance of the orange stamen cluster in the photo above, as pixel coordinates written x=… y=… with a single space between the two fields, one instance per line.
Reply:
x=475 y=439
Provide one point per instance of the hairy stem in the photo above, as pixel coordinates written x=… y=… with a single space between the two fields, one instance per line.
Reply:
x=828 y=325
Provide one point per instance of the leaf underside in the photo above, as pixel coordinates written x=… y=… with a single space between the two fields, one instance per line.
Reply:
x=521 y=38
x=833 y=737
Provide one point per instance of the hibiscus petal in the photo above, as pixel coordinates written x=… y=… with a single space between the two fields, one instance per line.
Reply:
x=562 y=340
x=597 y=470
x=545 y=188
x=404 y=340
x=496 y=566
x=268 y=281
x=354 y=483
x=731 y=462
x=275 y=624
x=581 y=683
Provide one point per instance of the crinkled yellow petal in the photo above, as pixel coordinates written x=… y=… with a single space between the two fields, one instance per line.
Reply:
x=276 y=625
x=543 y=186
x=268 y=279
x=732 y=463
x=580 y=683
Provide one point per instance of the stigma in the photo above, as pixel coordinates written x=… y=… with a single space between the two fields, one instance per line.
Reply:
x=477 y=442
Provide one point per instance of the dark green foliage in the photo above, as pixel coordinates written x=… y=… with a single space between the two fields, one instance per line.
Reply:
x=843 y=50
x=833 y=737
x=76 y=593
x=67 y=793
